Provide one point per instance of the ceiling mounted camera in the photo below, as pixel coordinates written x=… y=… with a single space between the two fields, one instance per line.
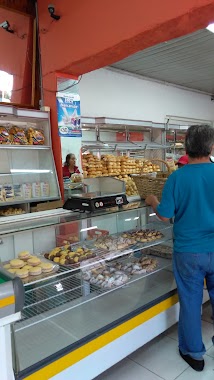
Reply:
x=51 y=10
x=6 y=26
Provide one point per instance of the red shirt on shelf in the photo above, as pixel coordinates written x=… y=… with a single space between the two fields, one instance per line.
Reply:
x=67 y=173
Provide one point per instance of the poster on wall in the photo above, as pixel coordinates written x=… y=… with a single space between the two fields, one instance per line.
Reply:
x=69 y=116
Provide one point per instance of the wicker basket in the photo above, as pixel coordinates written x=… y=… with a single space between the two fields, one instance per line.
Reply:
x=147 y=185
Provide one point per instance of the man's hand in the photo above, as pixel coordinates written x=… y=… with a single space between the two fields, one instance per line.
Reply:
x=152 y=200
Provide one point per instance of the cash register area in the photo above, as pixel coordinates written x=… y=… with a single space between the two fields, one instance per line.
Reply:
x=159 y=359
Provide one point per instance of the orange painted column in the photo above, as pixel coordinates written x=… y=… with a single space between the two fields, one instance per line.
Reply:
x=49 y=95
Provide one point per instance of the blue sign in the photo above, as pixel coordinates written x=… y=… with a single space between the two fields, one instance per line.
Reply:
x=69 y=116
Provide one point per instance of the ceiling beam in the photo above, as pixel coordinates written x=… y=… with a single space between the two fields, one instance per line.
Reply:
x=20 y=6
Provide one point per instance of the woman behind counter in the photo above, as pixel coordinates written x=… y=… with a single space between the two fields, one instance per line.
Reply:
x=70 y=167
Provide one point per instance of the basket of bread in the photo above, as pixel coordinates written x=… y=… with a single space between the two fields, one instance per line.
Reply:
x=150 y=181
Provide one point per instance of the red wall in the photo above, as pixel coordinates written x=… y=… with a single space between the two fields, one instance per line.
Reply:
x=92 y=34
x=16 y=53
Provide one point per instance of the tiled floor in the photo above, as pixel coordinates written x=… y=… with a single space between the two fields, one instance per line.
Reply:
x=159 y=359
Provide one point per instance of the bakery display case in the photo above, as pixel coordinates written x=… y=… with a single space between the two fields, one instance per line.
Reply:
x=28 y=172
x=101 y=285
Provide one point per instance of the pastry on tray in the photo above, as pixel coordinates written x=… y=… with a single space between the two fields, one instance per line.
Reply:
x=22 y=273
x=69 y=255
x=26 y=266
x=144 y=265
x=24 y=255
x=105 y=277
x=112 y=243
x=35 y=271
x=17 y=263
x=143 y=236
x=34 y=261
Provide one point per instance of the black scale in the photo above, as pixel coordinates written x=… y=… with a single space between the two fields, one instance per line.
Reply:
x=95 y=201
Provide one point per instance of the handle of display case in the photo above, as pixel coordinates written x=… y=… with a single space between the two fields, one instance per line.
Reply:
x=19 y=294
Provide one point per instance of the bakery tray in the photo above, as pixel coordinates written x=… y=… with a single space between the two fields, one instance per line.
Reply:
x=101 y=253
x=33 y=279
x=161 y=264
x=4 y=216
x=164 y=251
x=104 y=277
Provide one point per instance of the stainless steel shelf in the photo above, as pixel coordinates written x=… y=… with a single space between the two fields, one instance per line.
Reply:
x=120 y=146
x=128 y=122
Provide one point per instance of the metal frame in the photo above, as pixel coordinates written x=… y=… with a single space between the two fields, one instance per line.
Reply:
x=102 y=124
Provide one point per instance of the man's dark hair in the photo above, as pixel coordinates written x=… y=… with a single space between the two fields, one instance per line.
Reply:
x=199 y=141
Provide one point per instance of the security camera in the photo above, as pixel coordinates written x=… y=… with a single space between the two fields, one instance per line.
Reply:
x=51 y=10
x=6 y=26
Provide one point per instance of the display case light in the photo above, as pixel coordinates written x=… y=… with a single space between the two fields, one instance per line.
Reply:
x=39 y=171
x=87 y=229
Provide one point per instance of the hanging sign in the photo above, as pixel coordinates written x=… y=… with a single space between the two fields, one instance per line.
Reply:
x=69 y=117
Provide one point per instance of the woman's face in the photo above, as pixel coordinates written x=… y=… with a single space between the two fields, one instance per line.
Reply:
x=72 y=161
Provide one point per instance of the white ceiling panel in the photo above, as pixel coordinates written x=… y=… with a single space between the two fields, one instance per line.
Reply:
x=187 y=61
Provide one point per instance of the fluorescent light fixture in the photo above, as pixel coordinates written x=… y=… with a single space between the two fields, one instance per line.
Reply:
x=89 y=228
x=153 y=214
x=39 y=171
x=128 y=220
x=137 y=217
x=210 y=27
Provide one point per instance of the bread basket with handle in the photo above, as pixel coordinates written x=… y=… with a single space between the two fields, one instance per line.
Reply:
x=147 y=184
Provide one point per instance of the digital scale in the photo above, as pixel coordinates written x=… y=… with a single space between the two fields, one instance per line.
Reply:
x=94 y=201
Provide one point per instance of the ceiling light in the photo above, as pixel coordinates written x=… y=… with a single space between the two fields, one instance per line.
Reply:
x=210 y=27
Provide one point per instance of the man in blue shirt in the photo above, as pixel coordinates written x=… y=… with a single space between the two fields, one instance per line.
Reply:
x=188 y=196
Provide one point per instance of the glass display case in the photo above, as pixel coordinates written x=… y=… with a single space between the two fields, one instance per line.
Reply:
x=107 y=272
x=27 y=172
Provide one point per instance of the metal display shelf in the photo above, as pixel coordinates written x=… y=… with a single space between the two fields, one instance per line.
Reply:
x=21 y=164
x=121 y=146
x=8 y=111
x=64 y=310
x=101 y=140
x=68 y=292
x=42 y=296
x=127 y=122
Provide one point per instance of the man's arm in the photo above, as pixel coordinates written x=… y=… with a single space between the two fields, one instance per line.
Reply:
x=165 y=209
x=153 y=201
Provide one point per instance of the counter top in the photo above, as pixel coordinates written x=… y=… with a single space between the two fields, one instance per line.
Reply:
x=41 y=219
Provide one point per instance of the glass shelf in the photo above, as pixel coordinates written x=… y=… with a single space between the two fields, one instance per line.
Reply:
x=23 y=147
x=27 y=175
